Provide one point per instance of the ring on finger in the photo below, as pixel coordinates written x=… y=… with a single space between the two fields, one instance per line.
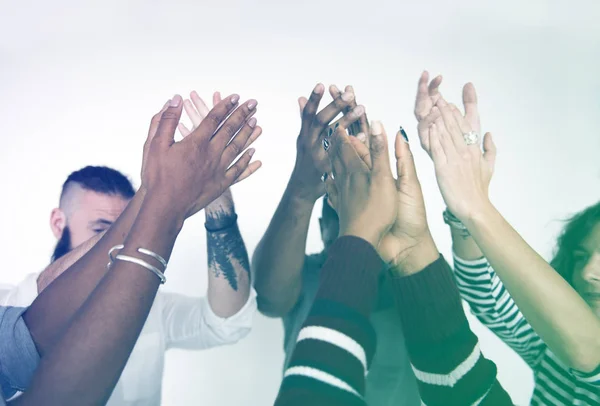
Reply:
x=472 y=137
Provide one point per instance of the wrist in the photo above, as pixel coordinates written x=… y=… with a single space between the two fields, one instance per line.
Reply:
x=481 y=216
x=163 y=212
x=416 y=258
x=373 y=237
x=302 y=192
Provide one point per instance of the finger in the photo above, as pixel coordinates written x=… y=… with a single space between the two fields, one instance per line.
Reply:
x=234 y=123
x=424 y=126
x=214 y=118
x=334 y=91
x=453 y=132
x=361 y=149
x=169 y=120
x=216 y=98
x=192 y=113
x=236 y=146
x=183 y=130
x=238 y=168
x=252 y=168
x=324 y=117
x=405 y=163
x=489 y=150
x=200 y=105
x=471 y=106
x=350 y=118
x=332 y=192
x=353 y=128
x=310 y=108
x=302 y=103
x=434 y=88
x=343 y=156
x=156 y=121
x=379 y=150
x=464 y=126
x=422 y=96
x=437 y=151
x=253 y=137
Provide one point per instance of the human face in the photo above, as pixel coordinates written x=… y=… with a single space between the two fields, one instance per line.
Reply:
x=586 y=274
x=90 y=213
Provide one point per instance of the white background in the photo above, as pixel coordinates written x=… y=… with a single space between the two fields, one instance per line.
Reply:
x=80 y=81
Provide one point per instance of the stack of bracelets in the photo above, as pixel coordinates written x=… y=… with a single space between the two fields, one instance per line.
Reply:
x=141 y=262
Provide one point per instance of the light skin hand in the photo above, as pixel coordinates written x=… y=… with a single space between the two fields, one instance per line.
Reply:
x=462 y=171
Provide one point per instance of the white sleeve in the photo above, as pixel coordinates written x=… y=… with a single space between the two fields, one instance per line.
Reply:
x=21 y=295
x=190 y=323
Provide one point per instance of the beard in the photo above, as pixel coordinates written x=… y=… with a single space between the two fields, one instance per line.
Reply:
x=63 y=245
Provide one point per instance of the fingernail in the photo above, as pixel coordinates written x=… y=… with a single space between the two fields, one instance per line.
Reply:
x=318 y=89
x=347 y=96
x=324 y=177
x=325 y=144
x=329 y=132
x=358 y=111
x=251 y=152
x=235 y=98
x=403 y=134
x=361 y=137
x=252 y=122
x=252 y=104
x=175 y=101
x=376 y=127
x=335 y=127
x=167 y=103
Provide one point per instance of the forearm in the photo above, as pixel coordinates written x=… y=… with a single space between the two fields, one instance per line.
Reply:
x=279 y=257
x=464 y=245
x=440 y=342
x=553 y=308
x=337 y=339
x=228 y=263
x=87 y=361
x=72 y=288
x=56 y=268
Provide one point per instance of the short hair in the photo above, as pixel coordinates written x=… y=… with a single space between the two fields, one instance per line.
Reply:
x=328 y=213
x=100 y=179
x=576 y=230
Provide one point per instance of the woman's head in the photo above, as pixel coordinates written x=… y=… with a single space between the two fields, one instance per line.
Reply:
x=577 y=256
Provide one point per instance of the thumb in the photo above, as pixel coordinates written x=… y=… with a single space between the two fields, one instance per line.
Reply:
x=380 y=159
x=489 y=150
x=169 y=121
x=405 y=163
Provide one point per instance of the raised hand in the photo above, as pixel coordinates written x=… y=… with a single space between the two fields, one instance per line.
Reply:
x=408 y=245
x=361 y=187
x=197 y=111
x=199 y=168
x=311 y=158
x=463 y=172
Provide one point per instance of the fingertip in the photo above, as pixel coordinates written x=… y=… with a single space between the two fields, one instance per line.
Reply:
x=319 y=89
x=175 y=101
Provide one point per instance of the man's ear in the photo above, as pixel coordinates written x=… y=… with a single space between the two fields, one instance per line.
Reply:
x=58 y=222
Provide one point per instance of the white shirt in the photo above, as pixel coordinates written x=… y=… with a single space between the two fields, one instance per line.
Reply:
x=175 y=321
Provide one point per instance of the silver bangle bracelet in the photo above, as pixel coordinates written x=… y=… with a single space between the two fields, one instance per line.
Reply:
x=143 y=263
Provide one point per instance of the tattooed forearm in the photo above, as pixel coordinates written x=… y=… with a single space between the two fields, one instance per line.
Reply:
x=227 y=255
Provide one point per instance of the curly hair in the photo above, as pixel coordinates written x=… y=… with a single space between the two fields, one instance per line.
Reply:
x=577 y=228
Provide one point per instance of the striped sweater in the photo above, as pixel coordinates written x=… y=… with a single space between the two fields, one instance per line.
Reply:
x=337 y=342
x=555 y=384
x=444 y=352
